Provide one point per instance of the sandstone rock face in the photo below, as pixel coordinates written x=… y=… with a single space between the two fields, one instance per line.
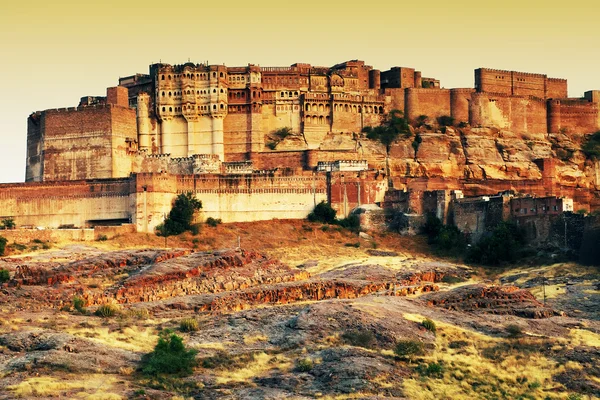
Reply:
x=504 y=300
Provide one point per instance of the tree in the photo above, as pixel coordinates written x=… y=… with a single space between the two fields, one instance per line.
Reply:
x=3 y=242
x=8 y=223
x=323 y=213
x=170 y=356
x=181 y=215
x=393 y=126
x=591 y=147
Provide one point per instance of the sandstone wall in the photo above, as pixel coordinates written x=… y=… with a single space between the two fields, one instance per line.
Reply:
x=517 y=114
x=77 y=203
x=431 y=102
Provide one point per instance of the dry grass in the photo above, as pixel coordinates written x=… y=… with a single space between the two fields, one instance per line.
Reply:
x=583 y=337
x=261 y=364
x=93 y=385
x=469 y=375
x=255 y=339
x=130 y=338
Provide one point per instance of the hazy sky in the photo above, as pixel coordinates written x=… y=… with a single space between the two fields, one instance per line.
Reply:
x=53 y=53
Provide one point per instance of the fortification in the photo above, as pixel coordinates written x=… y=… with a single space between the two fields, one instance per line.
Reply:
x=215 y=130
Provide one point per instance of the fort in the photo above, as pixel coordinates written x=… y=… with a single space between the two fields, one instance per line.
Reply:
x=217 y=131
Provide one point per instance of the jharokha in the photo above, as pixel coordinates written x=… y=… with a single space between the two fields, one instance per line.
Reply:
x=258 y=143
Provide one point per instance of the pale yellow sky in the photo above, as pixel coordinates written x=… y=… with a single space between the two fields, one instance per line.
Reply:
x=53 y=53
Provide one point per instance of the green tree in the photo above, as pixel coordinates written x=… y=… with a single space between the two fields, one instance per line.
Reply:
x=170 y=356
x=393 y=126
x=181 y=215
x=3 y=242
x=503 y=243
x=591 y=147
x=8 y=223
x=323 y=213
x=4 y=275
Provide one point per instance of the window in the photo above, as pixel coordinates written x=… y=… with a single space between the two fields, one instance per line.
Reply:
x=221 y=74
x=163 y=78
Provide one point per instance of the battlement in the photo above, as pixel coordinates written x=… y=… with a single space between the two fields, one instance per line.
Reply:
x=503 y=72
x=342 y=165
x=238 y=167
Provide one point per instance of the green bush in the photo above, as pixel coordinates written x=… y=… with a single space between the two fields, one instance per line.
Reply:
x=393 y=126
x=514 y=331
x=8 y=223
x=107 y=310
x=282 y=133
x=188 y=325
x=79 y=304
x=304 y=365
x=445 y=120
x=447 y=239
x=181 y=215
x=416 y=143
x=4 y=275
x=360 y=338
x=503 y=244
x=322 y=213
x=409 y=348
x=170 y=356
x=352 y=222
x=591 y=148
x=433 y=370
x=102 y=238
x=429 y=325
x=210 y=221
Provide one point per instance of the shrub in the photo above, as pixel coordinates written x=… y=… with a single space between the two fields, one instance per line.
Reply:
x=8 y=223
x=392 y=126
x=272 y=145
x=434 y=370
x=107 y=310
x=3 y=242
x=352 y=222
x=195 y=229
x=463 y=124
x=357 y=244
x=4 y=275
x=79 y=304
x=503 y=243
x=429 y=325
x=458 y=344
x=210 y=221
x=446 y=238
x=416 y=143
x=409 y=348
x=591 y=148
x=221 y=359
x=304 y=365
x=170 y=356
x=514 y=330
x=181 y=215
x=138 y=313
x=282 y=133
x=102 y=238
x=188 y=325
x=360 y=338
x=445 y=120
x=422 y=120
x=322 y=213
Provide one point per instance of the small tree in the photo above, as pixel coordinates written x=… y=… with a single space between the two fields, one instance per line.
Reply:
x=170 y=356
x=181 y=216
x=393 y=126
x=3 y=242
x=4 y=275
x=445 y=120
x=322 y=213
x=591 y=147
x=8 y=223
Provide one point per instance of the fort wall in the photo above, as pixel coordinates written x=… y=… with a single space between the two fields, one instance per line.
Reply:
x=431 y=102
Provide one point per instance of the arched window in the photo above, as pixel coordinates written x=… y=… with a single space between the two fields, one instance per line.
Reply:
x=221 y=74
x=214 y=90
x=170 y=109
x=163 y=94
x=308 y=119
x=380 y=110
x=321 y=107
x=222 y=106
x=308 y=107
x=169 y=77
x=163 y=109
x=359 y=109
x=335 y=107
x=321 y=119
x=214 y=106
x=346 y=107
x=163 y=78
x=214 y=74
x=169 y=94
x=222 y=91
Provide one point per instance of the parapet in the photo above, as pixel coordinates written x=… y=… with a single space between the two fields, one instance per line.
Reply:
x=342 y=165
x=238 y=167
